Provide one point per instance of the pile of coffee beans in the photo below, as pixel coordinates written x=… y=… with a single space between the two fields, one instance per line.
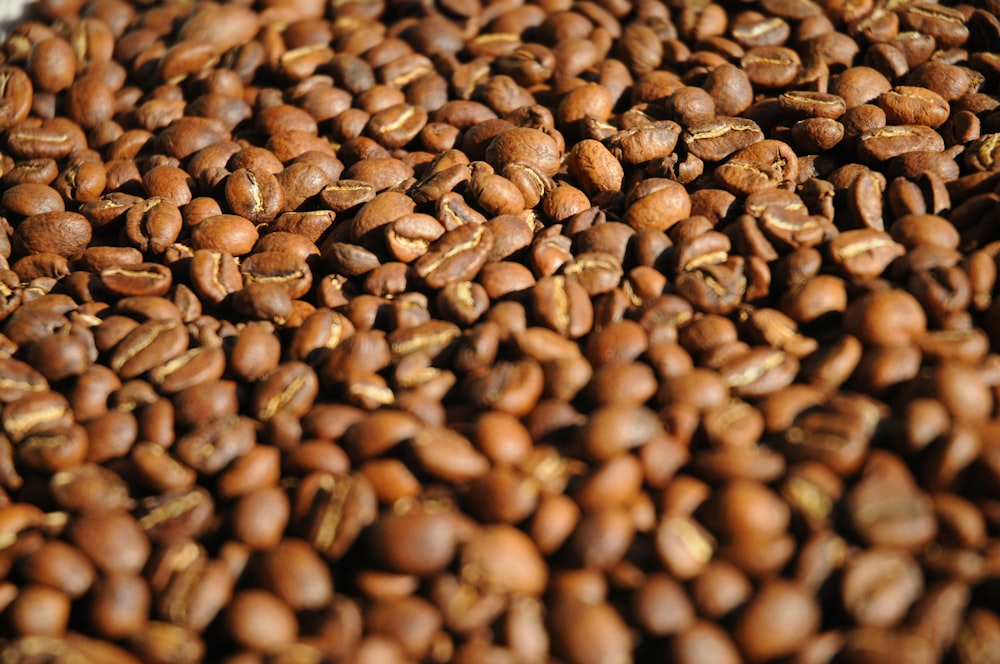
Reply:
x=516 y=331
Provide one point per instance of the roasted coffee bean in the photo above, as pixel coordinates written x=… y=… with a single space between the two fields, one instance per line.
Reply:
x=764 y=165
x=119 y=605
x=61 y=566
x=878 y=587
x=715 y=140
x=656 y=204
x=63 y=233
x=777 y=602
x=771 y=66
x=596 y=169
x=114 y=542
x=894 y=140
x=260 y=620
x=456 y=256
x=909 y=319
x=255 y=195
x=147 y=346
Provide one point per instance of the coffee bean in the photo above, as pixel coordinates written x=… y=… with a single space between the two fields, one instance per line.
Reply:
x=584 y=632
x=812 y=104
x=704 y=639
x=255 y=195
x=114 y=542
x=260 y=620
x=888 y=582
x=225 y=232
x=887 y=507
x=455 y=256
x=61 y=566
x=524 y=145
x=715 y=140
x=763 y=165
x=893 y=140
x=160 y=641
x=62 y=233
x=910 y=321
x=310 y=586
x=656 y=204
x=771 y=66
x=641 y=144
x=777 y=602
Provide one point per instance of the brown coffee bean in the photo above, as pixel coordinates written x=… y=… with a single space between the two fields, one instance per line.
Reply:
x=153 y=225
x=503 y=559
x=119 y=605
x=909 y=105
x=730 y=89
x=39 y=610
x=330 y=510
x=31 y=198
x=596 y=169
x=562 y=304
x=812 y=104
x=259 y=620
x=396 y=125
x=160 y=470
x=909 y=319
x=455 y=256
x=60 y=566
x=512 y=387
x=299 y=182
x=656 y=203
x=161 y=642
x=777 y=602
x=148 y=346
x=296 y=574
x=264 y=301
x=704 y=639
x=771 y=66
x=54 y=139
x=495 y=194
x=114 y=542
x=893 y=140
x=137 y=280
x=887 y=508
x=32 y=171
x=214 y=275
x=588 y=632
x=719 y=589
x=260 y=517
x=879 y=585
x=189 y=134
x=642 y=144
x=524 y=145
x=715 y=140
x=62 y=233
x=945 y=24
x=864 y=253
x=215 y=443
x=764 y=165
x=714 y=288
x=858 y=85
x=225 y=233
x=278 y=268
x=36 y=413
x=254 y=194
x=177 y=515
x=430 y=538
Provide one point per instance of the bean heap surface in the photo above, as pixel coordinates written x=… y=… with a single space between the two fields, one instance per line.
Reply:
x=518 y=331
